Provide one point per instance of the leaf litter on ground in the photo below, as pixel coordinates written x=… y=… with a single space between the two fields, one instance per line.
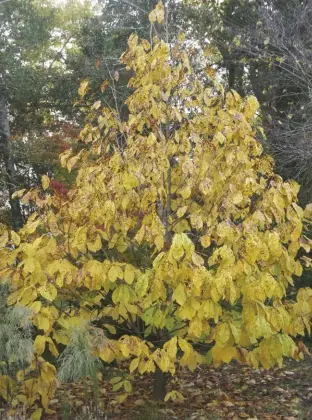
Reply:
x=228 y=392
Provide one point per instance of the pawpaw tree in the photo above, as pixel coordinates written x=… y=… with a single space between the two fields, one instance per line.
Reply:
x=177 y=232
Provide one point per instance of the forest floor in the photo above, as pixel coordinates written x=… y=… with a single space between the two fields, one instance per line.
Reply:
x=229 y=392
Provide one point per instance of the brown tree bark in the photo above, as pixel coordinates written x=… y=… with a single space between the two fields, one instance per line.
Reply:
x=7 y=156
x=159 y=385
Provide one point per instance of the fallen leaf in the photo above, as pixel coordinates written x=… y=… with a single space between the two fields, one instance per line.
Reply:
x=139 y=402
x=228 y=404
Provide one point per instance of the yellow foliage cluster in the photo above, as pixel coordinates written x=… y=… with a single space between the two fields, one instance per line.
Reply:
x=177 y=229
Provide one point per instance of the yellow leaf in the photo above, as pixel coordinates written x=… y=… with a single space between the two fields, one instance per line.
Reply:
x=35 y=307
x=196 y=221
x=96 y=244
x=205 y=240
x=134 y=364
x=19 y=193
x=15 y=238
x=29 y=265
x=146 y=44
x=121 y=398
x=223 y=333
x=189 y=361
x=184 y=345
x=185 y=192
x=177 y=251
x=252 y=249
x=188 y=310
x=251 y=107
x=115 y=380
x=159 y=242
x=27 y=296
x=127 y=386
x=142 y=284
x=13 y=297
x=48 y=372
x=104 y=85
x=121 y=294
x=164 y=362
x=96 y=105
x=125 y=350
x=238 y=198
x=83 y=87
x=150 y=366
x=39 y=344
x=43 y=322
x=72 y=161
x=45 y=182
x=224 y=353
x=110 y=328
x=129 y=274
x=219 y=138
x=179 y=295
x=195 y=327
x=129 y=181
x=22 y=398
x=48 y=291
x=114 y=273
x=36 y=415
x=124 y=294
x=158 y=14
x=181 y=211
x=182 y=226
x=298 y=269
x=52 y=347
x=174 y=395
x=171 y=348
x=197 y=260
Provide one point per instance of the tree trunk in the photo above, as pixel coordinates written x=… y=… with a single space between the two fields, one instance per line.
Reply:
x=256 y=86
x=231 y=76
x=6 y=151
x=159 y=386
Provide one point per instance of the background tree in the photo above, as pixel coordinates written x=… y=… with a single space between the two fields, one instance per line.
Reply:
x=36 y=90
x=15 y=38
x=266 y=51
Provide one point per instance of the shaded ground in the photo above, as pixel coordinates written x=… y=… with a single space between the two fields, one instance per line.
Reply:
x=230 y=392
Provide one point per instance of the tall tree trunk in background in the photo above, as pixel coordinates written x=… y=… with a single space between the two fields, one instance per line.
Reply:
x=256 y=86
x=231 y=76
x=6 y=152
